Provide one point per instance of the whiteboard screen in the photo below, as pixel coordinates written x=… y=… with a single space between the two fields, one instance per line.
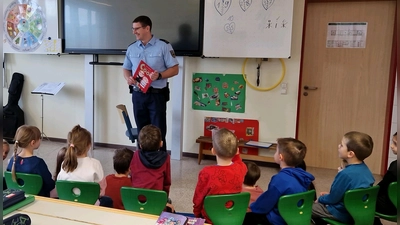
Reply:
x=248 y=28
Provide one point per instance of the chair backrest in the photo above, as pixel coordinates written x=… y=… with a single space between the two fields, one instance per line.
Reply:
x=393 y=193
x=218 y=212
x=143 y=200
x=360 y=203
x=296 y=209
x=77 y=191
x=30 y=183
x=131 y=132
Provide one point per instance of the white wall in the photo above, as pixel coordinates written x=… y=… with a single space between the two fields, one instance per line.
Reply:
x=275 y=112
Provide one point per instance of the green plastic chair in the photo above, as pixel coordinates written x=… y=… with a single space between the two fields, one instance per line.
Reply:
x=219 y=214
x=77 y=191
x=360 y=203
x=393 y=198
x=30 y=183
x=296 y=209
x=143 y=200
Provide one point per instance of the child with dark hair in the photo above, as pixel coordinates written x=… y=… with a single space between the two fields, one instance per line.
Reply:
x=250 y=180
x=59 y=160
x=354 y=148
x=150 y=167
x=113 y=182
x=383 y=203
x=289 y=180
x=28 y=139
x=224 y=178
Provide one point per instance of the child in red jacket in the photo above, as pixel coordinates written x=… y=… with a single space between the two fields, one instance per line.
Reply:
x=224 y=178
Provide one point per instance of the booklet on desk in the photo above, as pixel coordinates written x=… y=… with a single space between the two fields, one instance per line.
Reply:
x=167 y=218
x=48 y=88
x=142 y=76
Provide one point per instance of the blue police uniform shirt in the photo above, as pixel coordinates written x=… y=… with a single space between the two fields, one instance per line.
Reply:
x=158 y=54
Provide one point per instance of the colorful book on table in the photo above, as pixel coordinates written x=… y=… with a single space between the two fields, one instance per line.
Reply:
x=142 y=76
x=167 y=218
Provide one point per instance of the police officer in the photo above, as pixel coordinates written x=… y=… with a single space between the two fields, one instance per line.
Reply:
x=150 y=107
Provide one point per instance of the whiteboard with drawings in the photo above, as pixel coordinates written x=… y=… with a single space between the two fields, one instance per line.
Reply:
x=248 y=28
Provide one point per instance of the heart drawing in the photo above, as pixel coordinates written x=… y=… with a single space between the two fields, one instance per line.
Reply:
x=267 y=4
x=245 y=4
x=222 y=6
x=229 y=28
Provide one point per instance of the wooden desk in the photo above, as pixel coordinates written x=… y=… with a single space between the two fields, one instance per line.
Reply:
x=48 y=211
x=203 y=140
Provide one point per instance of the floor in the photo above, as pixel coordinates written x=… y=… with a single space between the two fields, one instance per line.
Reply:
x=184 y=173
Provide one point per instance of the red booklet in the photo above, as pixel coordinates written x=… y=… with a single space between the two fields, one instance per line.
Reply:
x=142 y=76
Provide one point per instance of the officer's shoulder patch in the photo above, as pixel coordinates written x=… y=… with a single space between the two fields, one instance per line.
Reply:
x=132 y=43
x=164 y=41
x=172 y=53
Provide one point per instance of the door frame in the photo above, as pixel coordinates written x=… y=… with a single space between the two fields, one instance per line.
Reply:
x=391 y=85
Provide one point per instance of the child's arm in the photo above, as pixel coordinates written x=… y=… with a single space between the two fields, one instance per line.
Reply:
x=43 y=171
x=167 y=176
x=200 y=193
x=103 y=186
x=339 y=186
x=267 y=200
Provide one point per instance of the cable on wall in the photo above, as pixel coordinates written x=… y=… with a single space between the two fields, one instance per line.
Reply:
x=263 y=89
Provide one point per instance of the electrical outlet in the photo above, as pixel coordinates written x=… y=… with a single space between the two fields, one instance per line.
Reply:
x=283 y=88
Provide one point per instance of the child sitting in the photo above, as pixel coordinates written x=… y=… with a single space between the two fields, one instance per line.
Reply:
x=28 y=138
x=383 y=203
x=113 y=182
x=77 y=166
x=250 y=180
x=150 y=167
x=224 y=178
x=354 y=148
x=289 y=180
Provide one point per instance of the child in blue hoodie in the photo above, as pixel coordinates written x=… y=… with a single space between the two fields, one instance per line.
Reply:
x=290 y=180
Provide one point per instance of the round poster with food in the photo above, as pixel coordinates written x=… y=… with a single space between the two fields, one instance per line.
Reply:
x=24 y=25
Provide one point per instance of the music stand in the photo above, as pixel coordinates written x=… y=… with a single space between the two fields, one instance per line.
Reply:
x=47 y=89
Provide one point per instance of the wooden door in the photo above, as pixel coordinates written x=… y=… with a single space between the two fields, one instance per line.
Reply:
x=352 y=83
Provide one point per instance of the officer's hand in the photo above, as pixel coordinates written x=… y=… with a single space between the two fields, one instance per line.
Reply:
x=154 y=75
x=131 y=81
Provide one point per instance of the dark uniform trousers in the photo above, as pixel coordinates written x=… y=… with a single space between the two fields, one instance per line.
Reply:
x=151 y=108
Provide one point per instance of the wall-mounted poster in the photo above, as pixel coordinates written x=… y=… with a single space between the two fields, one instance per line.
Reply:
x=219 y=92
x=31 y=26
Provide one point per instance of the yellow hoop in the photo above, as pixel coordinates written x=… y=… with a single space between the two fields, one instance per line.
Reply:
x=264 y=89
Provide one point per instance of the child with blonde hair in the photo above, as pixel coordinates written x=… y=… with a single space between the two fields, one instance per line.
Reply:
x=77 y=165
x=224 y=178
x=27 y=139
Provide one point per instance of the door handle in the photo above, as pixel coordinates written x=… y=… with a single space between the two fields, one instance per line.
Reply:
x=310 y=88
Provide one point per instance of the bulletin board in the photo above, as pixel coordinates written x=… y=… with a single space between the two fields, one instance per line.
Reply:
x=219 y=92
x=31 y=27
x=244 y=129
x=248 y=29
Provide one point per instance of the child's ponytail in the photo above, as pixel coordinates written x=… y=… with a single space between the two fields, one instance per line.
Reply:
x=13 y=174
x=71 y=160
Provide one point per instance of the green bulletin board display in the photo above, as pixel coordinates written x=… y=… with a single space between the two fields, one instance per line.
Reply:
x=219 y=92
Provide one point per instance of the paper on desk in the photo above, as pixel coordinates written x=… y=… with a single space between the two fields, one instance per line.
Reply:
x=259 y=144
x=48 y=88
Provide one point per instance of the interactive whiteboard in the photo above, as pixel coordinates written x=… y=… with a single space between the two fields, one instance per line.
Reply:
x=248 y=28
